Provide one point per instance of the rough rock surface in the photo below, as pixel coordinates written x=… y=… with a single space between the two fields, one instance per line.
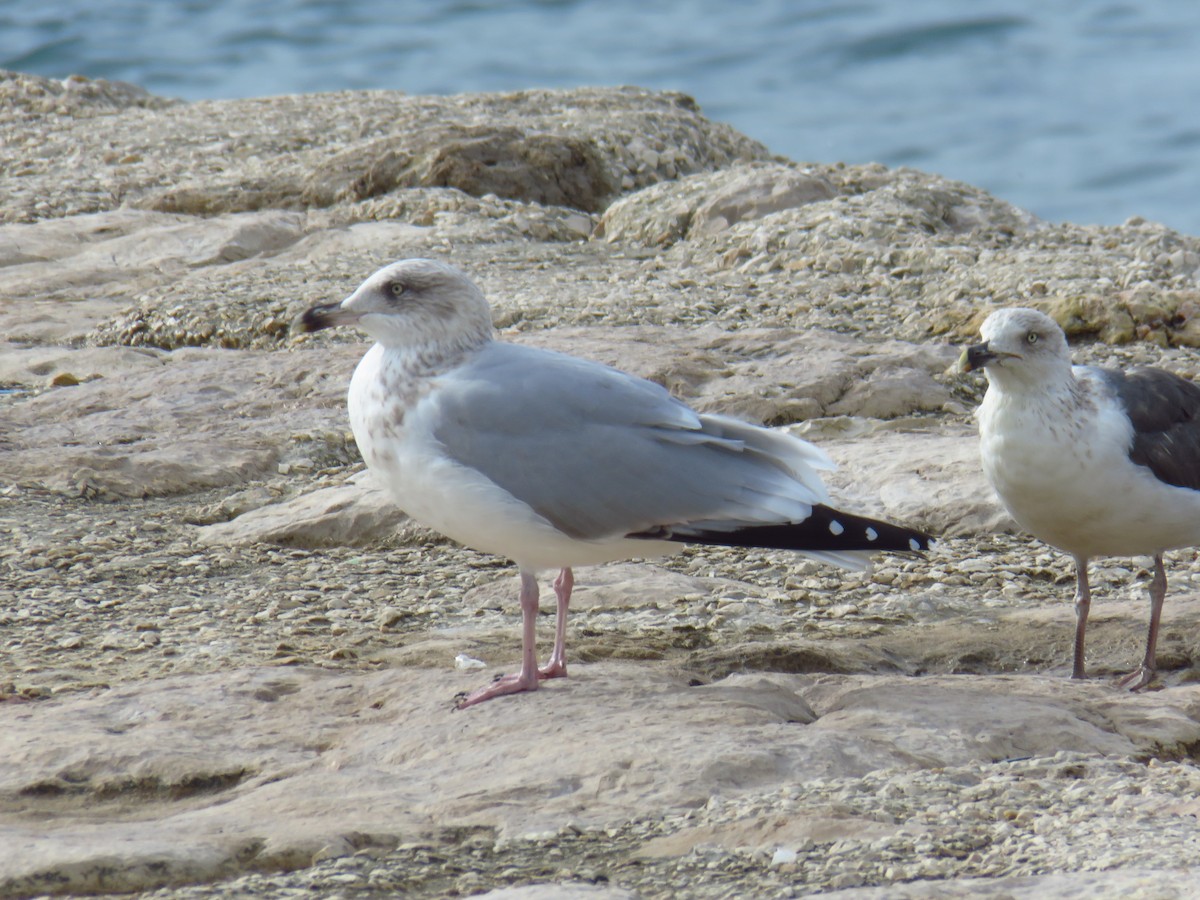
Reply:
x=381 y=761
x=228 y=659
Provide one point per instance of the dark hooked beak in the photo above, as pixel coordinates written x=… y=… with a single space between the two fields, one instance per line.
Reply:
x=328 y=315
x=976 y=357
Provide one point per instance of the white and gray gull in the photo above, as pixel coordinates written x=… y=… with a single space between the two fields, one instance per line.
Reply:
x=1093 y=461
x=557 y=462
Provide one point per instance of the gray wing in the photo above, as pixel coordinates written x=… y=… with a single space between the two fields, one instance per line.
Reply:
x=600 y=453
x=1165 y=411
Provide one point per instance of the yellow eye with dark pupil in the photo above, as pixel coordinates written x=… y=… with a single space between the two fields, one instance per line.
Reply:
x=395 y=289
x=1031 y=338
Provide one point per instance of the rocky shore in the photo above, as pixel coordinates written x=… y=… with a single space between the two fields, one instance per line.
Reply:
x=228 y=662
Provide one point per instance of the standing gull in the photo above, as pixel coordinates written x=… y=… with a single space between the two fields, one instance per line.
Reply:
x=1093 y=461
x=557 y=462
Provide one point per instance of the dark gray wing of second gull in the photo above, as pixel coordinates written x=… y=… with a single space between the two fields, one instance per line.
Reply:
x=1165 y=411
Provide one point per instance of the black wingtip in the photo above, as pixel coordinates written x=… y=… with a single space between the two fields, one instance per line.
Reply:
x=825 y=530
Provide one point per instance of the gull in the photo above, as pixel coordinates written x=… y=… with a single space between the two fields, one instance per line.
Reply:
x=1093 y=461
x=556 y=462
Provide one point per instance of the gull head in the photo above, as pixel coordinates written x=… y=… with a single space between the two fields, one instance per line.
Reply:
x=1021 y=348
x=413 y=303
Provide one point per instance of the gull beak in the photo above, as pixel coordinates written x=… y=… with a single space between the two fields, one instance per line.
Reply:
x=328 y=315
x=979 y=355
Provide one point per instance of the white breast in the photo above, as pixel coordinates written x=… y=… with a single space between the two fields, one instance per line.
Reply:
x=1065 y=475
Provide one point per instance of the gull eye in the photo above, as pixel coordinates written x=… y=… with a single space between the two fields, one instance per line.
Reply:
x=1032 y=337
x=396 y=288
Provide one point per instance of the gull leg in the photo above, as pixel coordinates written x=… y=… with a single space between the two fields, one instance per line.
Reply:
x=527 y=678
x=557 y=666
x=1083 y=603
x=1144 y=674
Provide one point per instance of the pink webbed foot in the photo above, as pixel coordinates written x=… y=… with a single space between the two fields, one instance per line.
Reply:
x=501 y=685
x=529 y=676
x=553 y=669
x=1136 y=680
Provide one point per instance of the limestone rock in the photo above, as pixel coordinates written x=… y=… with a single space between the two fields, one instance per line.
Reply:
x=943 y=254
x=75 y=94
x=350 y=514
x=1166 y=884
x=234 y=300
x=178 y=427
x=72 y=273
x=926 y=479
x=559 y=891
x=247 y=155
x=747 y=720
x=33 y=366
x=770 y=376
x=552 y=170
x=708 y=203
x=759 y=195
x=891 y=391
x=180 y=788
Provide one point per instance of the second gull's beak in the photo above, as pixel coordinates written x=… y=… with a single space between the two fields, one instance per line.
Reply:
x=977 y=356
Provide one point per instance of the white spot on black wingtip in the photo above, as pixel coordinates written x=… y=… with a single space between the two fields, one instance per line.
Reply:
x=914 y=544
x=836 y=527
x=872 y=534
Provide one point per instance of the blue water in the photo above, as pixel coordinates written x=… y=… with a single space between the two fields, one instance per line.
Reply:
x=1087 y=112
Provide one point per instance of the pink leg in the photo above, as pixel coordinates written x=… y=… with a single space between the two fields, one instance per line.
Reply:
x=557 y=666
x=1144 y=674
x=1083 y=602
x=527 y=678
